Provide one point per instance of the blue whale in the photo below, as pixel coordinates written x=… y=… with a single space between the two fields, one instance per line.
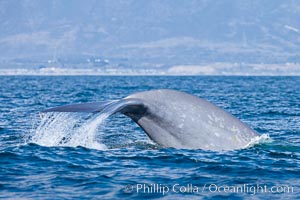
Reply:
x=175 y=119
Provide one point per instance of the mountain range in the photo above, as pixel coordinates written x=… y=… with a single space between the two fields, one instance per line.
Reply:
x=152 y=32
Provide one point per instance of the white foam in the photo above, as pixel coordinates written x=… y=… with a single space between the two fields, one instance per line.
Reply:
x=264 y=138
x=69 y=129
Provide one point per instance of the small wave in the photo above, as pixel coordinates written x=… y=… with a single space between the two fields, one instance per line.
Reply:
x=69 y=129
x=264 y=138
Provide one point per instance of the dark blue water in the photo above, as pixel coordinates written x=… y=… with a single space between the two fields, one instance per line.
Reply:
x=34 y=167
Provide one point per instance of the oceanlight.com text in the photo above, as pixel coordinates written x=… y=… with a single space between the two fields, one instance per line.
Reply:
x=163 y=189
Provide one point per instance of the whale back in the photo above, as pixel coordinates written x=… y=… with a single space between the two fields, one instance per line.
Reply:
x=176 y=119
x=180 y=120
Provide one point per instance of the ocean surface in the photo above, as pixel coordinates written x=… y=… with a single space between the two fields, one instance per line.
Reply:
x=86 y=156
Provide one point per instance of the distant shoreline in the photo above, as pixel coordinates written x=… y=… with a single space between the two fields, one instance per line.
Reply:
x=213 y=69
x=171 y=75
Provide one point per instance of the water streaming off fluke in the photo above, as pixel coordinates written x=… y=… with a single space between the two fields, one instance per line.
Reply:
x=69 y=129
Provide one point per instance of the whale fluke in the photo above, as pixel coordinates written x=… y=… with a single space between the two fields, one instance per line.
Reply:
x=175 y=119
x=81 y=107
x=130 y=107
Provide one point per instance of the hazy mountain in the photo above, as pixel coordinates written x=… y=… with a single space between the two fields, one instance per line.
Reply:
x=154 y=31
